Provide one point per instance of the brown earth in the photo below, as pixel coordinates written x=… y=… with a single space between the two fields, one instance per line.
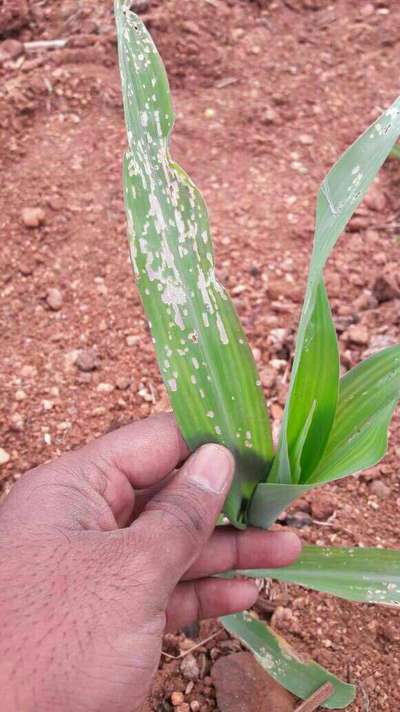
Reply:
x=274 y=91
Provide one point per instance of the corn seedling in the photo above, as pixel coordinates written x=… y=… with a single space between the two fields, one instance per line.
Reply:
x=332 y=427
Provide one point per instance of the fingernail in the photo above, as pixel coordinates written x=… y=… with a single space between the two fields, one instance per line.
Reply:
x=211 y=468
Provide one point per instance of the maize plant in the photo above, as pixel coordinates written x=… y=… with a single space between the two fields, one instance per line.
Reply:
x=332 y=427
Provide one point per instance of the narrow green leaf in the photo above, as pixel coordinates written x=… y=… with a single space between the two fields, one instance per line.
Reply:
x=202 y=351
x=301 y=676
x=314 y=395
x=270 y=499
x=340 y=194
x=368 y=396
x=368 y=575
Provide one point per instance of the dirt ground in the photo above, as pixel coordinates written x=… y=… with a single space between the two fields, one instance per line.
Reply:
x=267 y=95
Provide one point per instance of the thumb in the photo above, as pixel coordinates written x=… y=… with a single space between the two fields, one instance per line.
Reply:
x=181 y=517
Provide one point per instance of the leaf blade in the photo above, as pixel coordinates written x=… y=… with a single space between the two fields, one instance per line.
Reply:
x=300 y=676
x=367 y=575
x=201 y=348
x=367 y=398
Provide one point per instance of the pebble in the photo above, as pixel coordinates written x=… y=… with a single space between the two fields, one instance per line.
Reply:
x=54 y=299
x=306 y=139
x=122 y=383
x=195 y=706
x=84 y=377
x=298 y=520
x=385 y=288
x=177 y=698
x=322 y=507
x=33 y=217
x=242 y=685
x=378 y=488
x=48 y=405
x=16 y=422
x=268 y=377
x=189 y=667
x=132 y=340
x=28 y=371
x=4 y=456
x=105 y=388
x=10 y=49
x=269 y=117
x=367 y=10
x=375 y=199
x=139 y=6
x=358 y=335
x=20 y=395
x=87 y=360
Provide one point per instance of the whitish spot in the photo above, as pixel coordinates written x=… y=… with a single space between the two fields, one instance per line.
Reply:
x=195 y=363
x=172 y=384
x=221 y=330
x=210 y=414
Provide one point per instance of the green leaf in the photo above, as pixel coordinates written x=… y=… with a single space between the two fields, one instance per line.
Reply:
x=368 y=396
x=368 y=575
x=340 y=194
x=270 y=499
x=301 y=676
x=202 y=352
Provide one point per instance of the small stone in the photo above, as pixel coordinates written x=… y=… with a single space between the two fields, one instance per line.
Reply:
x=378 y=488
x=139 y=6
x=375 y=199
x=177 y=698
x=189 y=667
x=132 y=340
x=87 y=360
x=322 y=507
x=191 y=27
x=10 y=49
x=242 y=685
x=268 y=377
x=358 y=335
x=385 y=288
x=105 y=388
x=17 y=422
x=298 y=520
x=358 y=223
x=33 y=217
x=28 y=371
x=306 y=139
x=269 y=117
x=48 y=405
x=84 y=377
x=195 y=706
x=367 y=10
x=20 y=395
x=123 y=383
x=4 y=456
x=54 y=299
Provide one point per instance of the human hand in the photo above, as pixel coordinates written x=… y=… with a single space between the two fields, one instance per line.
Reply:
x=92 y=574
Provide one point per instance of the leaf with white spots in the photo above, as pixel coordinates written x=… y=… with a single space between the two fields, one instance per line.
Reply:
x=368 y=575
x=297 y=673
x=202 y=351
